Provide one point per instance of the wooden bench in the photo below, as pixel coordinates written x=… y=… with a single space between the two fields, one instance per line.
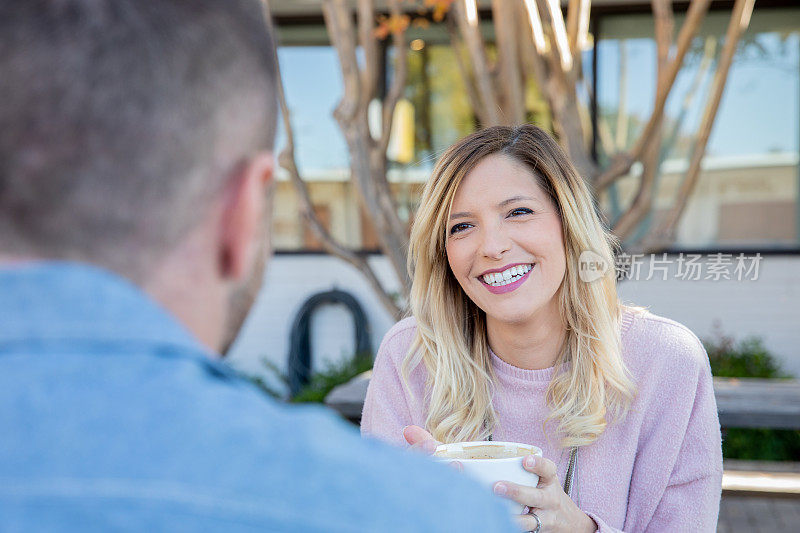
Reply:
x=758 y=403
x=761 y=478
x=741 y=402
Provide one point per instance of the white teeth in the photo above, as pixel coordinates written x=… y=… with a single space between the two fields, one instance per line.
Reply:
x=509 y=275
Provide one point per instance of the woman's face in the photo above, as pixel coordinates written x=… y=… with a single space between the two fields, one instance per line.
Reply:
x=504 y=241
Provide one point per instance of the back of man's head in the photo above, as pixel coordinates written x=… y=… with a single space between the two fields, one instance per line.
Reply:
x=121 y=119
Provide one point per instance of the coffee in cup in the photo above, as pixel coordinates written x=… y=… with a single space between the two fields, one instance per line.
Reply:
x=489 y=462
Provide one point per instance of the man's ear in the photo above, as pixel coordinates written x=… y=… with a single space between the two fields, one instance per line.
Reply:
x=243 y=214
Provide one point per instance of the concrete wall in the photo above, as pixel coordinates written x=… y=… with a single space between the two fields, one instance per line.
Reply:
x=768 y=307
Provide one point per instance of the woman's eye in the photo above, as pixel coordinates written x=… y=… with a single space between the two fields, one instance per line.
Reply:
x=458 y=227
x=520 y=211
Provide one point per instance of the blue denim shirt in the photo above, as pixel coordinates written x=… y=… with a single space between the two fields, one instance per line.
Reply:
x=112 y=417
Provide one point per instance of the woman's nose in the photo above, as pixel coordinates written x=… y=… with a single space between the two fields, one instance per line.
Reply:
x=495 y=243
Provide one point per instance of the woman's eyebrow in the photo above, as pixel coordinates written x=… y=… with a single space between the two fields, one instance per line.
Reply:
x=467 y=214
x=462 y=214
x=514 y=199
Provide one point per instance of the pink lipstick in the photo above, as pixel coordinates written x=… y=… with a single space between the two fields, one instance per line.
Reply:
x=502 y=289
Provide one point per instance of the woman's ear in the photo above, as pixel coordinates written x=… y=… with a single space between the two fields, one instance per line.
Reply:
x=245 y=200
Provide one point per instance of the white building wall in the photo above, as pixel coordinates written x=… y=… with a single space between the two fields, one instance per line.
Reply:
x=768 y=307
x=290 y=280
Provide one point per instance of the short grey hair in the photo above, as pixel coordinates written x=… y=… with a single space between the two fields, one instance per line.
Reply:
x=121 y=119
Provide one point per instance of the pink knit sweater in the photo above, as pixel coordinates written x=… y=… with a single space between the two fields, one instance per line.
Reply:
x=659 y=469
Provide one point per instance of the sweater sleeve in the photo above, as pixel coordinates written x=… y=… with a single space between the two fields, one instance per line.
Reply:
x=677 y=476
x=692 y=496
x=387 y=406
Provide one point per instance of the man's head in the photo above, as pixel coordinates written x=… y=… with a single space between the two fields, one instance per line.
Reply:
x=137 y=135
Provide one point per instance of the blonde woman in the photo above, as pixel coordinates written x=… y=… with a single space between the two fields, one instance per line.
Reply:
x=507 y=340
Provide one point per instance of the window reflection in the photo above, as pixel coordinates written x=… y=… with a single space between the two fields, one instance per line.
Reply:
x=747 y=194
x=313 y=84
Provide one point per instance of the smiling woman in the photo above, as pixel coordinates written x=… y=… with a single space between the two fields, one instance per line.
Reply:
x=496 y=201
x=506 y=238
x=508 y=342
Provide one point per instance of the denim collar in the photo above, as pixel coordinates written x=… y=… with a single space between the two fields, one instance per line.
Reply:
x=54 y=301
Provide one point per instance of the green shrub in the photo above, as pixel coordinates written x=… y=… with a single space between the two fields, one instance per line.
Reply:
x=333 y=375
x=321 y=382
x=746 y=359
x=743 y=359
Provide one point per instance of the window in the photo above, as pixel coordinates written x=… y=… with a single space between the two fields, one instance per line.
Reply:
x=747 y=195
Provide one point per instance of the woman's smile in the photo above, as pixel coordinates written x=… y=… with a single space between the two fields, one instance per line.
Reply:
x=506 y=279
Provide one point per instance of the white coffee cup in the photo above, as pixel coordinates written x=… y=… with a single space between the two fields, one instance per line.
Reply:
x=489 y=462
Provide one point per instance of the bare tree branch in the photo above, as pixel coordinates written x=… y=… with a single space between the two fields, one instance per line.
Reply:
x=368 y=43
x=560 y=90
x=540 y=15
x=467 y=78
x=534 y=56
x=340 y=28
x=471 y=34
x=709 y=51
x=367 y=162
x=586 y=124
x=604 y=134
x=668 y=140
x=622 y=162
x=287 y=160
x=537 y=28
x=664 y=27
x=398 y=81
x=643 y=200
x=394 y=233
x=578 y=28
x=559 y=39
x=573 y=13
x=511 y=85
x=740 y=19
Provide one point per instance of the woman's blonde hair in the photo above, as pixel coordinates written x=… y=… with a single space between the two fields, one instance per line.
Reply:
x=592 y=382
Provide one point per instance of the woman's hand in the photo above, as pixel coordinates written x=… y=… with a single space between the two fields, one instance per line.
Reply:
x=420 y=440
x=556 y=511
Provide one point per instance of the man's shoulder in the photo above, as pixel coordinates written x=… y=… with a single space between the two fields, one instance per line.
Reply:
x=296 y=458
x=204 y=441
